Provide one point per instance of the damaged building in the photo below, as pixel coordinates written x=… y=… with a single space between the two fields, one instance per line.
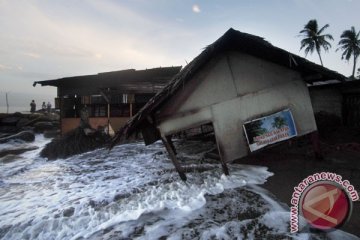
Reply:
x=237 y=85
x=111 y=98
x=339 y=99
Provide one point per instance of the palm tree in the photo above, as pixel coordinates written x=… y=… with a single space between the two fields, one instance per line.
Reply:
x=314 y=39
x=279 y=122
x=350 y=44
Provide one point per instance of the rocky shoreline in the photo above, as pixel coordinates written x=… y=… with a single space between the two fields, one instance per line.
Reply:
x=11 y=124
x=17 y=129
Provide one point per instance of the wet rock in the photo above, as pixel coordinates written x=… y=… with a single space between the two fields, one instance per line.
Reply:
x=18 y=114
x=69 y=212
x=2 y=135
x=16 y=150
x=51 y=133
x=10 y=121
x=9 y=158
x=22 y=122
x=74 y=142
x=56 y=124
x=40 y=127
x=26 y=136
x=8 y=129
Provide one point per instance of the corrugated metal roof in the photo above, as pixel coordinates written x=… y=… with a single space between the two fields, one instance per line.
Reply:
x=129 y=77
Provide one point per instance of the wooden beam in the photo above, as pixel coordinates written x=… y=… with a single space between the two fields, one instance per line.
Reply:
x=221 y=154
x=168 y=138
x=173 y=158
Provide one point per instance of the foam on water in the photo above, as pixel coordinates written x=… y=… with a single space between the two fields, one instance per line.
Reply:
x=133 y=192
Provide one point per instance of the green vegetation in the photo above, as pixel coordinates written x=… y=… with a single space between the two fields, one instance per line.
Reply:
x=314 y=39
x=350 y=45
x=279 y=122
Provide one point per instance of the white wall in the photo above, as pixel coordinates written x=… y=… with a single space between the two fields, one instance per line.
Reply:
x=232 y=89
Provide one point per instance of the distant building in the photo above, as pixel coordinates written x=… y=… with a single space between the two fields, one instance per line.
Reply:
x=111 y=98
x=235 y=80
x=341 y=99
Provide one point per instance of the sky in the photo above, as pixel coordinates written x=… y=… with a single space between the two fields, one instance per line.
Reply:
x=42 y=40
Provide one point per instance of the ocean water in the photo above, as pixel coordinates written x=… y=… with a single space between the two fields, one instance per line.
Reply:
x=133 y=192
x=13 y=109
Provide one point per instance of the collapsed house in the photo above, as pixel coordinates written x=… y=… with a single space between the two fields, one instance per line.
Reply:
x=110 y=98
x=251 y=92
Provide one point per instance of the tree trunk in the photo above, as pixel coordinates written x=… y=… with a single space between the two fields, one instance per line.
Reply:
x=354 y=67
x=320 y=58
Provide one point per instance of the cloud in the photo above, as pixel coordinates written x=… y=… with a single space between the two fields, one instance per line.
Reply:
x=4 y=67
x=196 y=8
x=32 y=55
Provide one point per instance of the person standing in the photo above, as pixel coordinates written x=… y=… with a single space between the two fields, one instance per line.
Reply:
x=43 y=107
x=32 y=106
x=48 y=107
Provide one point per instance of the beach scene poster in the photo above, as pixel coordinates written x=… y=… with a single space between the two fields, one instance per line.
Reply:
x=270 y=129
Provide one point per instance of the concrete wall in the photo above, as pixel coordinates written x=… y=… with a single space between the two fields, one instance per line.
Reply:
x=234 y=88
x=326 y=99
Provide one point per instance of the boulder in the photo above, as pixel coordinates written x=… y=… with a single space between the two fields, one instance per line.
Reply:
x=10 y=121
x=26 y=136
x=16 y=150
x=56 y=124
x=18 y=114
x=69 y=212
x=8 y=158
x=22 y=122
x=9 y=129
x=74 y=142
x=40 y=127
x=51 y=133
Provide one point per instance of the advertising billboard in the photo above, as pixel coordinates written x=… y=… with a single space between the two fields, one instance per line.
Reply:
x=270 y=129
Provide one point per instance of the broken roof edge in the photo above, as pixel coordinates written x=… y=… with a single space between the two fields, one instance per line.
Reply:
x=231 y=40
x=55 y=82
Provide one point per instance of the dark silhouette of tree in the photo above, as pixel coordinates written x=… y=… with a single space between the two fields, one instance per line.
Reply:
x=350 y=45
x=279 y=122
x=315 y=39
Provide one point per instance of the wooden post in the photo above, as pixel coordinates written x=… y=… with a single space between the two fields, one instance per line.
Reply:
x=168 y=139
x=173 y=158
x=223 y=163
x=224 y=166
x=108 y=115
x=7 y=103
x=314 y=138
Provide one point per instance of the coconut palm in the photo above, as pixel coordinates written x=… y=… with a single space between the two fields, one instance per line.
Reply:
x=315 y=39
x=350 y=44
x=279 y=122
